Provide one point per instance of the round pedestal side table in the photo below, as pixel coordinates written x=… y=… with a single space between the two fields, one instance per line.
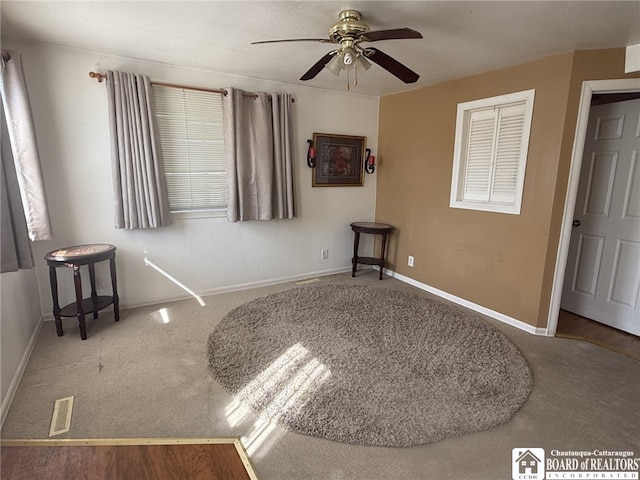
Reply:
x=74 y=257
x=373 y=228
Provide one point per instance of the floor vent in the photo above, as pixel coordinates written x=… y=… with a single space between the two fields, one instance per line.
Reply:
x=304 y=282
x=61 y=420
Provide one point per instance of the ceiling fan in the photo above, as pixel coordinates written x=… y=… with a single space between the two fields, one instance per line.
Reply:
x=349 y=32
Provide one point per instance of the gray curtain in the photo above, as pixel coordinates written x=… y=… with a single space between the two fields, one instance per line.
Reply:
x=284 y=198
x=258 y=151
x=139 y=185
x=20 y=130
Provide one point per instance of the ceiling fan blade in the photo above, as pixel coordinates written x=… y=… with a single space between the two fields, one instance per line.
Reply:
x=321 y=40
x=393 y=34
x=319 y=65
x=391 y=65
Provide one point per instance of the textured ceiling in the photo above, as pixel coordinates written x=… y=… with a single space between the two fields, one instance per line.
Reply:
x=460 y=38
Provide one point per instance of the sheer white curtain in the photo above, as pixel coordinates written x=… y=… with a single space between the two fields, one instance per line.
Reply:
x=140 y=189
x=258 y=151
x=15 y=249
x=24 y=215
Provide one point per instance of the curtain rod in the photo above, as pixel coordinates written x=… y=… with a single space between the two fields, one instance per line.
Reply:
x=101 y=76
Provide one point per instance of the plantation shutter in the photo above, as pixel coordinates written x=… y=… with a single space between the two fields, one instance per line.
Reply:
x=509 y=151
x=192 y=142
x=477 y=179
x=494 y=153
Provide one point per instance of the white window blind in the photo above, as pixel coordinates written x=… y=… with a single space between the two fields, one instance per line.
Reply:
x=192 y=142
x=492 y=137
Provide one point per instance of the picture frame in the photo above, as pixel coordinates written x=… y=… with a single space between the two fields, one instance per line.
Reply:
x=339 y=160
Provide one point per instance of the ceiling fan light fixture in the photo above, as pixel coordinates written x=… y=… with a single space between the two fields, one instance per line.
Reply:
x=335 y=64
x=349 y=56
x=348 y=59
x=362 y=63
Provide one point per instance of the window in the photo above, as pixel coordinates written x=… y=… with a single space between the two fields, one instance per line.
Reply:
x=191 y=137
x=490 y=153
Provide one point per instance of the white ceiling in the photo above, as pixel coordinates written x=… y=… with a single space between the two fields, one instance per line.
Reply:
x=460 y=38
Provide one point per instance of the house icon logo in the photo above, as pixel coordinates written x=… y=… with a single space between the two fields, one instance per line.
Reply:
x=527 y=463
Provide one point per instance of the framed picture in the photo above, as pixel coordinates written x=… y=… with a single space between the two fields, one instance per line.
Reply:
x=339 y=160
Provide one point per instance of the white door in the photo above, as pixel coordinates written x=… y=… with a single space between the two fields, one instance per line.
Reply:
x=602 y=280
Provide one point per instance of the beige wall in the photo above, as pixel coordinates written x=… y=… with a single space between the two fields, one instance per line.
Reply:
x=502 y=262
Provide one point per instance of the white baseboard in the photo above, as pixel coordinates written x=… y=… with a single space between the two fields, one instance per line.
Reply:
x=13 y=387
x=276 y=281
x=322 y=273
x=470 y=305
x=233 y=288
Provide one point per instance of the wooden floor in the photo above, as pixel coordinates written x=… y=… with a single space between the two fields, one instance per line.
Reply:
x=574 y=326
x=125 y=459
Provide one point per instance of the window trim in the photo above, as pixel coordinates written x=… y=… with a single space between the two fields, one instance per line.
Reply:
x=459 y=155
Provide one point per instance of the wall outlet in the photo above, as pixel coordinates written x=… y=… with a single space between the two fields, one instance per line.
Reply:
x=410 y=261
x=324 y=253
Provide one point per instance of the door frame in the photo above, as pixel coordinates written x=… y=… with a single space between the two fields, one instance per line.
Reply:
x=589 y=88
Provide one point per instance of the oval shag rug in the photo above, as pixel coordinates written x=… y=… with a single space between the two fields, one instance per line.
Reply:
x=368 y=366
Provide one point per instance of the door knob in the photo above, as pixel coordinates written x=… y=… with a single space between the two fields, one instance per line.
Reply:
x=576 y=223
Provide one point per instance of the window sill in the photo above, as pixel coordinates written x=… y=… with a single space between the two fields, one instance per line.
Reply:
x=487 y=207
x=219 y=213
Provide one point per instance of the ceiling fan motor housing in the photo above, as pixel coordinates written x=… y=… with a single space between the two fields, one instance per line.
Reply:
x=349 y=26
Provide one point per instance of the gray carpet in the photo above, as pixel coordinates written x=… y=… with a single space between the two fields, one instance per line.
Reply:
x=368 y=366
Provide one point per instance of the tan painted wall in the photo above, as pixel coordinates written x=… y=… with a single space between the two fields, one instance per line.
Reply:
x=498 y=261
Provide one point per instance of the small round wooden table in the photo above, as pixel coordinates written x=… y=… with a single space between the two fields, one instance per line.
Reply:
x=376 y=229
x=74 y=257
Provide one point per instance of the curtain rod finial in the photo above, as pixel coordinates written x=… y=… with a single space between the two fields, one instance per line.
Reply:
x=99 y=76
